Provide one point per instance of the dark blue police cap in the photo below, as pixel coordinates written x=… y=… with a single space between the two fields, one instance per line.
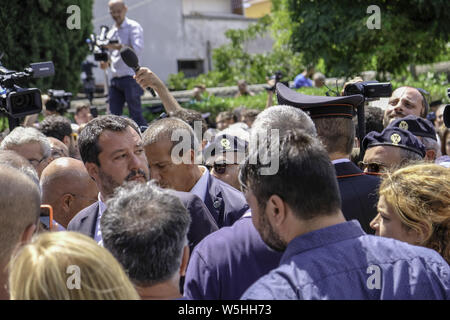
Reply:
x=417 y=126
x=394 y=136
x=226 y=143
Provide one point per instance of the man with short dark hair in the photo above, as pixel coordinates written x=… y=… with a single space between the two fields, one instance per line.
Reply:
x=297 y=210
x=145 y=228
x=173 y=154
x=112 y=151
x=245 y=257
x=20 y=202
x=332 y=117
x=60 y=128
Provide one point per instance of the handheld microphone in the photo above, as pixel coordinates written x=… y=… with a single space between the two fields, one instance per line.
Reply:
x=130 y=58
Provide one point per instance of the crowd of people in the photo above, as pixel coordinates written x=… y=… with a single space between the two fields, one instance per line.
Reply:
x=177 y=209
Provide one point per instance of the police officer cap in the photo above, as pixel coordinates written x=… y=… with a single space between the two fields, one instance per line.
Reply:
x=417 y=126
x=396 y=137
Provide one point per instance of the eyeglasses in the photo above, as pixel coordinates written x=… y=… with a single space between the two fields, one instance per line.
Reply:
x=220 y=168
x=372 y=167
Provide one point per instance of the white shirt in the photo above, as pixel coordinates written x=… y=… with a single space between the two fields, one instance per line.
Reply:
x=201 y=187
x=98 y=231
x=340 y=161
x=131 y=34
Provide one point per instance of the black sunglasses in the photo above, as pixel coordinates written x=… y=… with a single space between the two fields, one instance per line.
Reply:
x=371 y=167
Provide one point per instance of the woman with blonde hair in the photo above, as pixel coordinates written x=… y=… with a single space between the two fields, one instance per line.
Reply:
x=67 y=266
x=414 y=207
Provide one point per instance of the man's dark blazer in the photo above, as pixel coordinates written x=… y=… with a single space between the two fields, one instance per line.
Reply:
x=359 y=194
x=202 y=222
x=225 y=203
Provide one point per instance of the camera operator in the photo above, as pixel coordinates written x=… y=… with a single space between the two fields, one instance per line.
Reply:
x=123 y=87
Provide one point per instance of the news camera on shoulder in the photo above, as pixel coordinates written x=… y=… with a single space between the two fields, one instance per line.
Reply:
x=17 y=102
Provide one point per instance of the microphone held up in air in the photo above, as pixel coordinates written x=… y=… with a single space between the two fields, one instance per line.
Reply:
x=130 y=58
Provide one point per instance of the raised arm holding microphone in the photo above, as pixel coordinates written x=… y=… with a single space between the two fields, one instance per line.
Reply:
x=129 y=33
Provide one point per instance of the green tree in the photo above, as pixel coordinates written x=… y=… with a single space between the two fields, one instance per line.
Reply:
x=36 y=31
x=411 y=32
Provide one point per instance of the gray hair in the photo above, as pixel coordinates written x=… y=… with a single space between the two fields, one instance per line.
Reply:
x=21 y=135
x=15 y=160
x=284 y=118
x=145 y=228
x=431 y=144
x=408 y=156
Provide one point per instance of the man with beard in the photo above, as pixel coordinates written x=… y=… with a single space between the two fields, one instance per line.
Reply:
x=112 y=151
x=298 y=211
x=405 y=101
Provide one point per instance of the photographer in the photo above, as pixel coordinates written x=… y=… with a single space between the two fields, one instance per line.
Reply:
x=123 y=87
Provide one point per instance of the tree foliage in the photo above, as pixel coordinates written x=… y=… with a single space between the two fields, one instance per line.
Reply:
x=36 y=31
x=232 y=61
x=411 y=32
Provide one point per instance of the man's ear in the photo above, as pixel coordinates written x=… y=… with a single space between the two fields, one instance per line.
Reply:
x=27 y=234
x=93 y=170
x=184 y=261
x=276 y=210
x=67 y=200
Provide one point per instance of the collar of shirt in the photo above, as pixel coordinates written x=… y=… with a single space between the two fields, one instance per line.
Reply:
x=322 y=237
x=201 y=187
x=124 y=24
x=340 y=161
x=101 y=209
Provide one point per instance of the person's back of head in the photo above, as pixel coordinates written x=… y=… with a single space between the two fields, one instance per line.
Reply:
x=20 y=136
x=15 y=160
x=67 y=266
x=20 y=201
x=193 y=118
x=56 y=126
x=145 y=227
x=305 y=180
x=283 y=118
x=337 y=134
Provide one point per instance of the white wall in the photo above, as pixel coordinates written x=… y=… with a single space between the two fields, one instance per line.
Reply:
x=223 y=6
x=170 y=36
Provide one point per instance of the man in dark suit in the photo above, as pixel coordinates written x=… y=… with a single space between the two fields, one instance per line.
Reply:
x=332 y=117
x=112 y=152
x=173 y=155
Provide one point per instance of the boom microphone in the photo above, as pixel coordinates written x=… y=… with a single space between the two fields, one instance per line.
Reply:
x=130 y=58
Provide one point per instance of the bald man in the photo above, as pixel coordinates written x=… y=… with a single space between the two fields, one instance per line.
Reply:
x=19 y=213
x=128 y=33
x=68 y=188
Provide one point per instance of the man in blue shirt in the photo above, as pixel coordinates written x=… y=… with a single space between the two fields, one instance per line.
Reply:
x=302 y=79
x=297 y=210
x=129 y=33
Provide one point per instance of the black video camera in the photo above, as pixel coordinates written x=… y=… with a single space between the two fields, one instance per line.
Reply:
x=17 y=102
x=369 y=89
x=97 y=44
x=59 y=101
x=277 y=77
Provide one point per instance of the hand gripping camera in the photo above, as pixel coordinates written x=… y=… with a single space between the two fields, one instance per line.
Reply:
x=97 y=44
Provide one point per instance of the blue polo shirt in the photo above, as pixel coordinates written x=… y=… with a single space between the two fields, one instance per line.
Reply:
x=225 y=263
x=342 y=262
x=301 y=81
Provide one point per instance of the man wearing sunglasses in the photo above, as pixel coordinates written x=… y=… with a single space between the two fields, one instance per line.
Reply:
x=391 y=148
x=223 y=157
